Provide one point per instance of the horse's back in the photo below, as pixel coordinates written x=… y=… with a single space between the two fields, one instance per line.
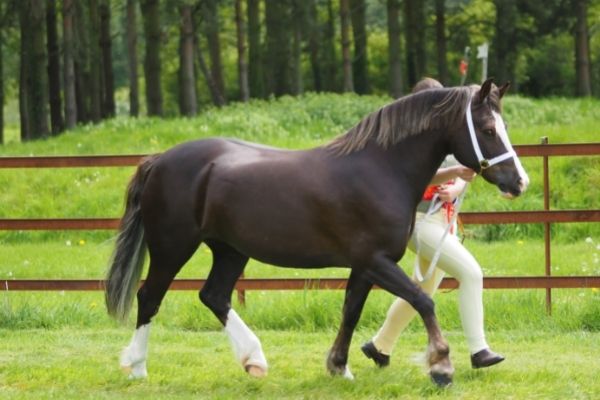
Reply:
x=215 y=181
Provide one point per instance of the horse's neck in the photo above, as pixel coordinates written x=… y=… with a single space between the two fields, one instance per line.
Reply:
x=417 y=159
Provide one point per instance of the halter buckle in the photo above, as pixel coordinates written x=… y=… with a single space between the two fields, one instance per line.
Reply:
x=484 y=164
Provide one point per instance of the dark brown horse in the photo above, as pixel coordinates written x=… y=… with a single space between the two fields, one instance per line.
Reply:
x=350 y=203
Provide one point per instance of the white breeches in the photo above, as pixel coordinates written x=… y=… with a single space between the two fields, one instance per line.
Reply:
x=454 y=260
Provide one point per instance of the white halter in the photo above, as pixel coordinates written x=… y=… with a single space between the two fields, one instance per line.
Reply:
x=483 y=162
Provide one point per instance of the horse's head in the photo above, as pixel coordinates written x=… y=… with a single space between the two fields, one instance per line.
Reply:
x=485 y=146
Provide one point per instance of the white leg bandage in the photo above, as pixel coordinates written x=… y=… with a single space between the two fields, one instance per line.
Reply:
x=246 y=346
x=133 y=357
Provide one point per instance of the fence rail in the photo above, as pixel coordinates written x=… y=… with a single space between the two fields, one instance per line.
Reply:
x=495 y=282
x=545 y=217
x=492 y=217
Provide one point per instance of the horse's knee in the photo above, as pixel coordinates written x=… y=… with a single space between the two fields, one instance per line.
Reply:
x=147 y=306
x=215 y=303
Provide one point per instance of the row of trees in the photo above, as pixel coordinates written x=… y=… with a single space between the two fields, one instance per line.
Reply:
x=73 y=54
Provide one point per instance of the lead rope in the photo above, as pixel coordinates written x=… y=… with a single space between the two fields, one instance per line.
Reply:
x=433 y=207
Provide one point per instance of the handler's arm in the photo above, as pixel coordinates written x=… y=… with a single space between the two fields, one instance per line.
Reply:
x=444 y=175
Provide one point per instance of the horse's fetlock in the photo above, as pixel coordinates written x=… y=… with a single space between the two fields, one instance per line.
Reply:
x=132 y=355
x=336 y=361
x=254 y=345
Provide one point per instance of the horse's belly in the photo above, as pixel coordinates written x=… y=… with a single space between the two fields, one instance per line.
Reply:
x=279 y=241
x=296 y=260
x=273 y=233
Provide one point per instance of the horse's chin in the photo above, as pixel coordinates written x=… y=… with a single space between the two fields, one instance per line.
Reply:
x=509 y=192
x=507 y=195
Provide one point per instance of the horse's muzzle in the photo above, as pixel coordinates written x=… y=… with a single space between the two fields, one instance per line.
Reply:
x=513 y=190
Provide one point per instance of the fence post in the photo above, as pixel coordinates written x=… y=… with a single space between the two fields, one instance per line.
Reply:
x=547 y=257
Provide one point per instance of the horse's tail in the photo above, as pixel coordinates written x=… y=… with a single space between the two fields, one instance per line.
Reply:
x=128 y=257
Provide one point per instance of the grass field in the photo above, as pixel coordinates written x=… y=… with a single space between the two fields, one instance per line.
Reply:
x=63 y=345
x=83 y=364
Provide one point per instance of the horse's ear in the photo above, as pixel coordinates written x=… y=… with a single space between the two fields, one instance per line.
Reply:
x=485 y=90
x=504 y=88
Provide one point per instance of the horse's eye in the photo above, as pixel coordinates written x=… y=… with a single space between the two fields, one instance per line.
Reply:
x=490 y=132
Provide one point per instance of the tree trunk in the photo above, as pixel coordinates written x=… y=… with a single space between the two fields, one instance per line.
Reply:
x=348 y=85
x=68 y=65
x=582 y=50
x=95 y=88
x=56 y=118
x=394 y=49
x=132 y=60
x=33 y=93
x=187 y=81
x=210 y=15
x=152 y=69
x=414 y=18
x=24 y=120
x=278 y=21
x=81 y=61
x=240 y=29
x=329 y=63
x=297 y=27
x=215 y=94
x=361 y=59
x=108 y=93
x=421 y=36
x=314 y=44
x=39 y=77
x=505 y=40
x=255 y=64
x=440 y=39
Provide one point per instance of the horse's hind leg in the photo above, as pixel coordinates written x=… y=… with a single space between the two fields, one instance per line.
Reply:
x=165 y=262
x=357 y=291
x=228 y=265
x=386 y=274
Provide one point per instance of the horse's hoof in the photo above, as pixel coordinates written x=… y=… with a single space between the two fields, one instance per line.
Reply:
x=343 y=371
x=256 y=371
x=347 y=374
x=440 y=379
x=135 y=371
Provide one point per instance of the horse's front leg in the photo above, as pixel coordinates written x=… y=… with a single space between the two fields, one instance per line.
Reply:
x=386 y=274
x=356 y=295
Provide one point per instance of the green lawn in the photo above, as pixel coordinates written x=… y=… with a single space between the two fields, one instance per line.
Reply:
x=83 y=363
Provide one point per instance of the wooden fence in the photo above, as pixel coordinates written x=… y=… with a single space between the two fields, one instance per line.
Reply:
x=545 y=216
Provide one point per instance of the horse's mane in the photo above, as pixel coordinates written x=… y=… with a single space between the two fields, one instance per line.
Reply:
x=410 y=115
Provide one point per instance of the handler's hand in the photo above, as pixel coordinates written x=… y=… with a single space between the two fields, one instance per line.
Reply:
x=465 y=173
x=448 y=192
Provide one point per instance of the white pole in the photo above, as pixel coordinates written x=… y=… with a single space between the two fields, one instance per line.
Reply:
x=482 y=52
